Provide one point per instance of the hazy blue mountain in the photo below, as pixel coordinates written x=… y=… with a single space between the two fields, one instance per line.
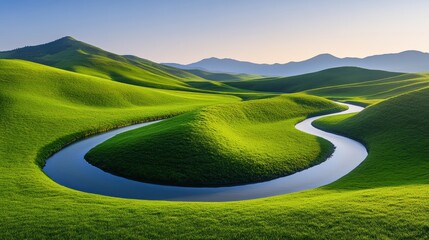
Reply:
x=408 y=61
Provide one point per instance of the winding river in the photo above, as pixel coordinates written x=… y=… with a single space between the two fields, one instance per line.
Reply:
x=69 y=168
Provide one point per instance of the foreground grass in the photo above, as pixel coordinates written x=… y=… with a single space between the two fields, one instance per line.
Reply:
x=393 y=204
x=220 y=145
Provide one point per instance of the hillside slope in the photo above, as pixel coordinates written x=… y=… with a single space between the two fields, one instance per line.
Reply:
x=46 y=85
x=355 y=85
x=374 y=91
x=325 y=78
x=73 y=55
x=396 y=132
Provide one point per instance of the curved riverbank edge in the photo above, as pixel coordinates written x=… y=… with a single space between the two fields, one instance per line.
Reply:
x=69 y=168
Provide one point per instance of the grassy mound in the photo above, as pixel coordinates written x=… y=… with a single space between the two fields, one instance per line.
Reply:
x=220 y=145
x=396 y=133
x=32 y=93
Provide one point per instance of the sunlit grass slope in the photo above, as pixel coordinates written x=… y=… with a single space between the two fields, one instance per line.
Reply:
x=389 y=202
x=40 y=83
x=220 y=145
x=325 y=78
x=369 y=92
x=40 y=92
x=396 y=132
x=351 y=84
x=70 y=54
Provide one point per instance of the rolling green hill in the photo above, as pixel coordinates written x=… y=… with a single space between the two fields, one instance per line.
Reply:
x=70 y=54
x=325 y=78
x=223 y=77
x=397 y=133
x=350 y=84
x=73 y=55
x=43 y=85
x=220 y=145
x=374 y=91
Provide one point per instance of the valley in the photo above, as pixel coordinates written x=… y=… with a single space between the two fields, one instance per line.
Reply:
x=217 y=133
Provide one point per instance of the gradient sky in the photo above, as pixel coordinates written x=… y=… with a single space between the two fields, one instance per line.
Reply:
x=184 y=31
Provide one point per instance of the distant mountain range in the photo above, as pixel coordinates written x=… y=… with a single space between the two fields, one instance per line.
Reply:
x=408 y=61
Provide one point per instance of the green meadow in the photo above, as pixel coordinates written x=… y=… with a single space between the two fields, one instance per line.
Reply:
x=232 y=132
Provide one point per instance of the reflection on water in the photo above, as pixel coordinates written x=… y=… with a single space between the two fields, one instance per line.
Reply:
x=69 y=168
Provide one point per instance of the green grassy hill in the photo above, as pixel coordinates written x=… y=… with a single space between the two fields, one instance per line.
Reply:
x=397 y=133
x=325 y=78
x=73 y=55
x=374 y=91
x=41 y=83
x=223 y=77
x=70 y=54
x=220 y=145
x=350 y=84
x=176 y=72
x=31 y=92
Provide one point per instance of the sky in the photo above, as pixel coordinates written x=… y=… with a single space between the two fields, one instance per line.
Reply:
x=185 y=31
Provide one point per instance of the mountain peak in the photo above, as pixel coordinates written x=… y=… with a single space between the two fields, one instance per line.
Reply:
x=325 y=56
x=210 y=59
x=216 y=60
x=412 y=52
x=66 y=39
x=37 y=53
